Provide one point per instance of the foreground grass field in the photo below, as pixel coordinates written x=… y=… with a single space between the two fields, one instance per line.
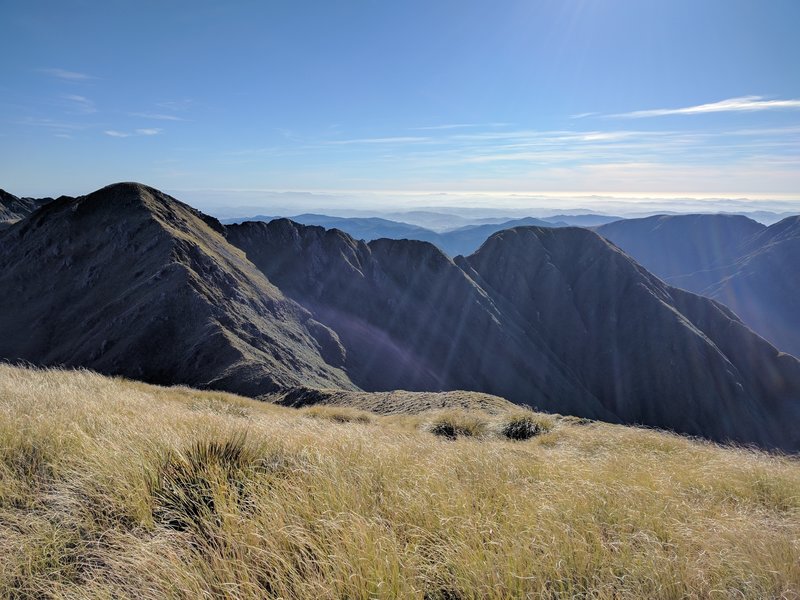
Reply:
x=116 y=489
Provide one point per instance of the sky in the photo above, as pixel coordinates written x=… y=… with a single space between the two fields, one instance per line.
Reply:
x=389 y=104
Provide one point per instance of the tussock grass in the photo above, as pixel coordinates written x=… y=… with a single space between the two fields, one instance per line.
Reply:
x=524 y=425
x=452 y=424
x=115 y=489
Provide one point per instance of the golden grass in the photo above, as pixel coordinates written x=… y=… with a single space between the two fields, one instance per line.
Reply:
x=116 y=489
x=338 y=414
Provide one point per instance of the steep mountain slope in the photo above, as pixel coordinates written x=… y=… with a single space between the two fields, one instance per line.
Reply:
x=763 y=285
x=13 y=209
x=132 y=282
x=649 y=352
x=750 y=268
x=558 y=318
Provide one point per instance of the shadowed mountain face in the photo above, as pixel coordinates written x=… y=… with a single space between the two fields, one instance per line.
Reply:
x=132 y=282
x=750 y=268
x=675 y=245
x=558 y=318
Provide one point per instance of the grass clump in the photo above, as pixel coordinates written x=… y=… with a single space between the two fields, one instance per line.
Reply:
x=192 y=488
x=456 y=423
x=524 y=425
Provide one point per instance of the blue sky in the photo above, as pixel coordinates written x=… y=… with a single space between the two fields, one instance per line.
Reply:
x=628 y=98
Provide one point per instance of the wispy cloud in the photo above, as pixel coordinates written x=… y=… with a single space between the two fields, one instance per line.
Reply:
x=136 y=132
x=460 y=126
x=381 y=140
x=582 y=115
x=51 y=124
x=67 y=75
x=156 y=116
x=176 y=105
x=80 y=104
x=741 y=104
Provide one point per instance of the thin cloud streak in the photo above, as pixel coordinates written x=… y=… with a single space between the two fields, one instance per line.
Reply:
x=67 y=75
x=741 y=104
x=137 y=132
x=381 y=140
x=459 y=126
x=50 y=123
x=155 y=116
x=80 y=103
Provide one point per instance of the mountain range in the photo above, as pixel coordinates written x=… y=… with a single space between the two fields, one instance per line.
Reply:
x=709 y=254
x=130 y=281
x=749 y=267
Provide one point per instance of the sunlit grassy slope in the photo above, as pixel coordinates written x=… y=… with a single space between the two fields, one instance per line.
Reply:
x=115 y=489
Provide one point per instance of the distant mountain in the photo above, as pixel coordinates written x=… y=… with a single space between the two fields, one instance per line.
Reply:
x=13 y=209
x=585 y=220
x=767 y=217
x=129 y=281
x=368 y=228
x=435 y=221
x=676 y=245
x=751 y=268
x=467 y=240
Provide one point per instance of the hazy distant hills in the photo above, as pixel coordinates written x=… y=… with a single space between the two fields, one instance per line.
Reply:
x=751 y=268
x=447 y=221
x=130 y=281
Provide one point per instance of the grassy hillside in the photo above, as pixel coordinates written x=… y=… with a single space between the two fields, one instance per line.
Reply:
x=115 y=489
x=395 y=402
